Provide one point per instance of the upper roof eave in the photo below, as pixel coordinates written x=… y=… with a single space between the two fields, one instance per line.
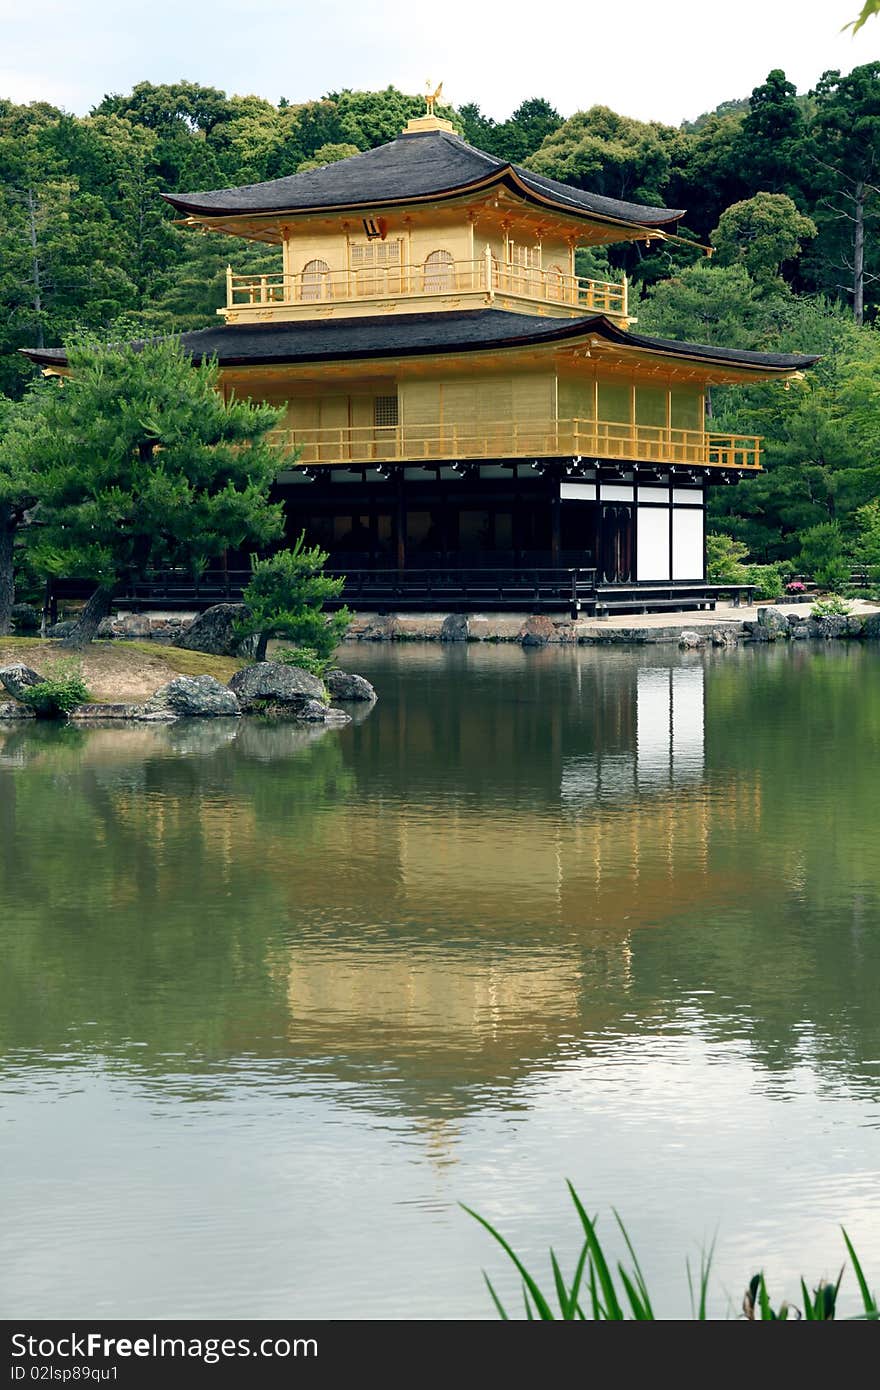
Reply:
x=396 y=178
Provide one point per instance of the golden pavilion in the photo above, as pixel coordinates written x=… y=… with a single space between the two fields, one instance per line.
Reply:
x=474 y=420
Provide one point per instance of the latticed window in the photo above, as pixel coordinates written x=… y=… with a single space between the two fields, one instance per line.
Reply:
x=376 y=265
x=439 y=275
x=525 y=257
x=555 y=282
x=316 y=280
x=385 y=413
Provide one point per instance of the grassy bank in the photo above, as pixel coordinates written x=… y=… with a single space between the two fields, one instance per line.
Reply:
x=123 y=671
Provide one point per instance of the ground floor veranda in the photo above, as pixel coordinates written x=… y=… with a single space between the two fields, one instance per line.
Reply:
x=623 y=524
x=548 y=535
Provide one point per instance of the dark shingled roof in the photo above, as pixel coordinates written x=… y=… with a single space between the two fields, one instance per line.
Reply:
x=412 y=335
x=412 y=166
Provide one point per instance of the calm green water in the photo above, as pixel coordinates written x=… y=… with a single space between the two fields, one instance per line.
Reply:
x=273 y=1002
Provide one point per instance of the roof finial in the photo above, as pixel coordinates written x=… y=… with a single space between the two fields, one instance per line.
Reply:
x=420 y=125
x=431 y=97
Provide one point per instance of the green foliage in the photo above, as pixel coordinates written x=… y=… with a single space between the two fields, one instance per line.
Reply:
x=609 y=154
x=725 y=559
x=867 y=542
x=762 y=233
x=725 y=564
x=599 y=1293
x=870 y=7
x=286 y=596
x=831 y=606
x=327 y=154
x=58 y=694
x=516 y=138
x=306 y=658
x=767 y=579
x=703 y=303
x=821 y=557
x=144 y=465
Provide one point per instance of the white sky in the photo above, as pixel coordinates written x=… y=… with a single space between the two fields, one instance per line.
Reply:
x=655 y=59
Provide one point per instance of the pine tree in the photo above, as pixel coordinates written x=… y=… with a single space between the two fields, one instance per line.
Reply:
x=144 y=466
x=19 y=490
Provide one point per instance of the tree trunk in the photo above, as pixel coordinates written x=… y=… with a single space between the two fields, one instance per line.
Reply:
x=97 y=608
x=35 y=267
x=262 y=644
x=7 y=573
x=859 y=254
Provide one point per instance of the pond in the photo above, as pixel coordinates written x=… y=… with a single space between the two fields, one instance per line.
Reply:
x=274 y=1001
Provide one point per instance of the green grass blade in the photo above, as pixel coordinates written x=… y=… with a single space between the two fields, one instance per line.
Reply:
x=529 y=1314
x=573 y=1304
x=613 y=1310
x=868 y=1299
x=561 y=1290
x=502 y=1313
x=598 y=1310
x=641 y=1312
x=808 y=1307
x=767 y=1313
x=545 y=1312
x=639 y=1277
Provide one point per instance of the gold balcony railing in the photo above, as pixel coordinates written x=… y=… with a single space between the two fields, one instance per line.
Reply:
x=521 y=439
x=484 y=275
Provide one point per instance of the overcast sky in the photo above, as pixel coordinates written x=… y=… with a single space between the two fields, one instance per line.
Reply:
x=664 y=61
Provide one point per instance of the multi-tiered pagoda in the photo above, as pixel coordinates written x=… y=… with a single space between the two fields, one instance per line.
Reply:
x=462 y=400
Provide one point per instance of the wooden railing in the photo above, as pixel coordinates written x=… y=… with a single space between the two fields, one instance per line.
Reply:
x=520 y=439
x=484 y=275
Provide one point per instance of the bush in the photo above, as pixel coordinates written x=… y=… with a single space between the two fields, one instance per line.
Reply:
x=834 y=606
x=58 y=694
x=822 y=555
x=766 y=578
x=724 y=559
x=306 y=658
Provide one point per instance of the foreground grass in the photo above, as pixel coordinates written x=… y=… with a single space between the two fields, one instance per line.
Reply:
x=118 y=670
x=597 y=1294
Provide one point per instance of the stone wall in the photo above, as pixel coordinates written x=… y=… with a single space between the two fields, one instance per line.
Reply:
x=772 y=625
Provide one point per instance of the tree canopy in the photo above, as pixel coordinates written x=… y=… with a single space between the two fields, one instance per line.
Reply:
x=144 y=465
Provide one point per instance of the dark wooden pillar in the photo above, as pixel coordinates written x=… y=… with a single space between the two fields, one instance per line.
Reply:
x=400 y=519
x=555 y=519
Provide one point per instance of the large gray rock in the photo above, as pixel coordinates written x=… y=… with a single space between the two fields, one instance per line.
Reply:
x=316 y=712
x=724 y=637
x=274 y=683
x=198 y=697
x=18 y=678
x=690 y=640
x=349 y=688
x=214 y=632
x=774 y=620
x=144 y=627
x=871 y=626
x=537 y=631
x=10 y=711
x=454 y=628
x=756 y=632
x=833 y=625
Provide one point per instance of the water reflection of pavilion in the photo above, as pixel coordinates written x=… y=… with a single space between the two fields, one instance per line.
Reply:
x=419 y=932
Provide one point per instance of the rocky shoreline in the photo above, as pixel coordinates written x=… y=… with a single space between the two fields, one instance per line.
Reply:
x=538 y=630
x=264 y=688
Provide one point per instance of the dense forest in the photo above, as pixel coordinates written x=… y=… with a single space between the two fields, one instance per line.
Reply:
x=783 y=186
